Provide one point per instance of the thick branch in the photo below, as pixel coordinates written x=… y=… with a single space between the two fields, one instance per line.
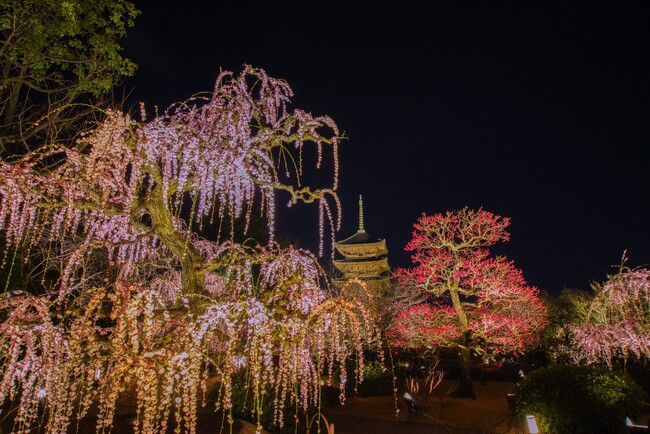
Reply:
x=179 y=244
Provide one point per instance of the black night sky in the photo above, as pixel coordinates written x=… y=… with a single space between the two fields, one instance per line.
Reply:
x=536 y=111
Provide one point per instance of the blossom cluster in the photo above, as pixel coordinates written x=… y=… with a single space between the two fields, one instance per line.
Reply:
x=618 y=321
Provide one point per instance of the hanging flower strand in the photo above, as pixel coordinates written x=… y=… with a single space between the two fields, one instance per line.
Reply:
x=140 y=302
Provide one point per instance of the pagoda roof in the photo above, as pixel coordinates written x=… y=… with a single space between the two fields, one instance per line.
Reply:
x=362 y=250
x=361 y=237
x=369 y=268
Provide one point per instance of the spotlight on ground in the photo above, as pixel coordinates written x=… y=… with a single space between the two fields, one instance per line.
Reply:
x=532 y=424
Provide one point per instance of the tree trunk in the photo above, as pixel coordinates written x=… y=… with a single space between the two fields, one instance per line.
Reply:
x=465 y=389
x=177 y=242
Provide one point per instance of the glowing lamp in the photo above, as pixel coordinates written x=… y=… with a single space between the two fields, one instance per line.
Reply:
x=630 y=424
x=532 y=424
x=410 y=403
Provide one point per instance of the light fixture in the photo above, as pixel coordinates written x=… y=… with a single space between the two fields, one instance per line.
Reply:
x=629 y=423
x=532 y=424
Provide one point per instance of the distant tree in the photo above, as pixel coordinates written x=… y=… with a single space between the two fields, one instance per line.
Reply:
x=571 y=307
x=616 y=323
x=56 y=59
x=142 y=301
x=478 y=304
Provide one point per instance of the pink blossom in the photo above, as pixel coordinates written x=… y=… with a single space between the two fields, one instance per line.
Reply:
x=144 y=302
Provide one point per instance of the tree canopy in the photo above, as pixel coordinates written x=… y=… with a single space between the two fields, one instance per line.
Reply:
x=463 y=298
x=56 y=58
x=142 y=300
x=616 y=323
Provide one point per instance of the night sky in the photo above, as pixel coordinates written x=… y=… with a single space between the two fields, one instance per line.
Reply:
x=536 y=111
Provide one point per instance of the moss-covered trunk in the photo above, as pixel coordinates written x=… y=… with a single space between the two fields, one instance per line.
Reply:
x=177 y=242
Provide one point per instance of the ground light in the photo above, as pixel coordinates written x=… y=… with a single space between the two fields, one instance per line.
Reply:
x=511 y=399
x=629 y=423
x=532 y=424
x=410 y=403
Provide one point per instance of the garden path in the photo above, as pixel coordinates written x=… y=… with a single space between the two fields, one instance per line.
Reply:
x=439 y=413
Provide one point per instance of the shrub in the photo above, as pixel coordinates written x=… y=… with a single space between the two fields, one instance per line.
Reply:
x=377 y=380
x=578 y=399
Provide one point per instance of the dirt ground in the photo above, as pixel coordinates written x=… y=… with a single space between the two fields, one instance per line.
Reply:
x=374 y=415
x=438 y=414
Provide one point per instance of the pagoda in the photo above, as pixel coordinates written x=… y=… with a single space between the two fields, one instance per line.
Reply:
x=363 y=257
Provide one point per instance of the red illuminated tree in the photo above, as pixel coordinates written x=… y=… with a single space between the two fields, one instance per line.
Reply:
x=467 y=300
x=142 y=300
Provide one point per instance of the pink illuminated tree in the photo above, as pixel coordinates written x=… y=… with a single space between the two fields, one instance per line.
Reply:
x=616 y=323
x=464 y=298
x=142 y=301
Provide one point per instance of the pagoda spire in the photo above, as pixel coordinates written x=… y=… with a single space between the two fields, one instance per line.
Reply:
x=361 y=226
x=363 y=257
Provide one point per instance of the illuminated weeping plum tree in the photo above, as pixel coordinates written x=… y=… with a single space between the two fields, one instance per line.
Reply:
x=141 y=300
x=617 y=320
x=462 y=297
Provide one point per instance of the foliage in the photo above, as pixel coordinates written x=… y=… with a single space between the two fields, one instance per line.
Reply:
x=578 y=399
x=571 y=307
x=377 y=380
x=479 y=304
x=617 y=322
x=245 y=408
x=142 y=301
x=55 y=54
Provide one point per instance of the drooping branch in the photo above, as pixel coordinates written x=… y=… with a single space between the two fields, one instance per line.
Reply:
x=141 y=299
x=617 y=323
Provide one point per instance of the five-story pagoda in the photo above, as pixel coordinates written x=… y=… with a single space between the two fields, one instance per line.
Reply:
x=363 y=257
